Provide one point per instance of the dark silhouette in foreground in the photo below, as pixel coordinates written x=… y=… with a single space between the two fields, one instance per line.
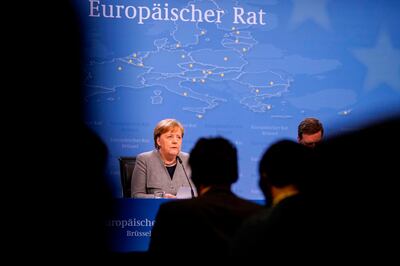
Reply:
x=202 y=227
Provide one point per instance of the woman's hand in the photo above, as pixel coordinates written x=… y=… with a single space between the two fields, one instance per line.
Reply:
x=169 y=196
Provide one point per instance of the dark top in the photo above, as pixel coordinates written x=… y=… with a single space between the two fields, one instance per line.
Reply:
x=291 y=228
x=171 y=170
x=203 y=225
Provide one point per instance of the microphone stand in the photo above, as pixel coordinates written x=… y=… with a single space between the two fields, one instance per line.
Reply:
x=190 y=185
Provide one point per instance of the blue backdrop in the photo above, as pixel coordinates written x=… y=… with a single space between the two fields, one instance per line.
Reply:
x=247 y=70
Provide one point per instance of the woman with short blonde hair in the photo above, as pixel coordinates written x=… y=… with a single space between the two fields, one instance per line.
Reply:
x=164 y=170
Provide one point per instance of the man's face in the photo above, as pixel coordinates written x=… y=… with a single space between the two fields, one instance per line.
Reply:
x=311 y=140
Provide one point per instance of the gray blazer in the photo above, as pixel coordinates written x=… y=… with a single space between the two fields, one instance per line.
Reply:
x=150 y=175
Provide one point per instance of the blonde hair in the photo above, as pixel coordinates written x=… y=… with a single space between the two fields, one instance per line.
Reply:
x=164 y=126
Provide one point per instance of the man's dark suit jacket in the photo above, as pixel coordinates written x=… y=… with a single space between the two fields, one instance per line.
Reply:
x=200 y=226
x=291 y=230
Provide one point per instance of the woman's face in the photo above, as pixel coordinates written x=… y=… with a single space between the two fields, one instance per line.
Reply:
x=170 y=142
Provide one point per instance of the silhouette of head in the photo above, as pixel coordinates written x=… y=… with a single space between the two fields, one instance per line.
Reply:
x=213 y=162
x=283 y=164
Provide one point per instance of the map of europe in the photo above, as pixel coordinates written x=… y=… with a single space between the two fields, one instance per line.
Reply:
x=246 y=70
x=210 y=63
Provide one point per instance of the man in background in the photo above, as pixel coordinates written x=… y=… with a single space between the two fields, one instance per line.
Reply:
x=310 y=132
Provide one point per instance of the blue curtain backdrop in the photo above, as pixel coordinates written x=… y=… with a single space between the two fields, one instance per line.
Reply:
x=246 y=70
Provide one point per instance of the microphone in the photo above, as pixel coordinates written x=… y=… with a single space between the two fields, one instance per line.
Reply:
x=191 y=189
